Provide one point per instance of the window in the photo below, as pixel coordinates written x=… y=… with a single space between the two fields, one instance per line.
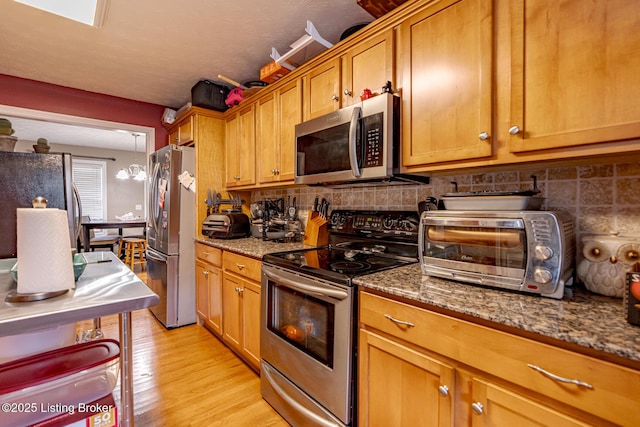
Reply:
x=90 y=178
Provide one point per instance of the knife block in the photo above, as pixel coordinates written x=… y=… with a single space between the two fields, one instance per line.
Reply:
x=317 y=231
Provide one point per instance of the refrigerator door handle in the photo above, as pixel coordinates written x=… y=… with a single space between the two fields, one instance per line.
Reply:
x=155 y=214
x=156 y=256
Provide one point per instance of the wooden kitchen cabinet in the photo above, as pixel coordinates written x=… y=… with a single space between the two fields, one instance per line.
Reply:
x=209 y=287
x=493 y=378
x=400 y=386
x=276 y=118
x=207 y=132
x=182 y=134
x=574 y=73
x=367 y=65
x=240 y=148
x=241 y=306
x=321 y=89
x=445 y=62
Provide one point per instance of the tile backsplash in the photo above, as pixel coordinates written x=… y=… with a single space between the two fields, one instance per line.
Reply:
x=602 y=198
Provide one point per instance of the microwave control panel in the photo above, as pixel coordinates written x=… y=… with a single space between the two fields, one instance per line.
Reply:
x=373 y=140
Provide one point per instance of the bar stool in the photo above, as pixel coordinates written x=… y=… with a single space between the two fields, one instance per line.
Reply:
x=134 y=249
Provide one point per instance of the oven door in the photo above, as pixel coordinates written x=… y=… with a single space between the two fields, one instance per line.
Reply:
x=307 y=337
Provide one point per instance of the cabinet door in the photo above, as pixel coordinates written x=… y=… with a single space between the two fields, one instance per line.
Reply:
x=574 y=73
x=399 y=386
x=321 y=93
x=445 y=60
x=251 y=322
x=185 y=132
x=290 y=105
x=232 y=311
x=368 y=65
x=247 y=146
x=232 y=162
x=202 y=291
x=214 y=318
x=496 y=406
x=267 y=139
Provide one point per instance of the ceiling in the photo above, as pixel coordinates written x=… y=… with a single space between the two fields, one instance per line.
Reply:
x=156 y=50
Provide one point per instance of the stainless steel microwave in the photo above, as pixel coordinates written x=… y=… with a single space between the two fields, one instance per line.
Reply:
x=359 y=143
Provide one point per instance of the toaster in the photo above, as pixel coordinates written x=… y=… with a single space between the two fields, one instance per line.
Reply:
x=226 y=226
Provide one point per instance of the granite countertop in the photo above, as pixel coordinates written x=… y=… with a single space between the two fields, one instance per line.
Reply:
x=583 y=318
x=251 y=246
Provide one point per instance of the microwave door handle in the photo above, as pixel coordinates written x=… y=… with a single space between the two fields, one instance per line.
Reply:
x=353 y=130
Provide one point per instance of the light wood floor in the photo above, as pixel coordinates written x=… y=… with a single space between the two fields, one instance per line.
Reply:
x=186 y=376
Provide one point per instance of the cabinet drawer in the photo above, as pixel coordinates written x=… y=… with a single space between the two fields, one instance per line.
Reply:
x=243 y=266
x=209 y=254
x=610 y=391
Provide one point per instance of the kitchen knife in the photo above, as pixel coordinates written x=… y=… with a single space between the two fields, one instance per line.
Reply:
x=315 y=204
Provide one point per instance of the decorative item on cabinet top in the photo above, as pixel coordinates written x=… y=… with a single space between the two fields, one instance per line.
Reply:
x=607 y=260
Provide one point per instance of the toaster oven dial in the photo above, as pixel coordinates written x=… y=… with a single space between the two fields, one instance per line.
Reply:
x=543 y=253
x=542 y=275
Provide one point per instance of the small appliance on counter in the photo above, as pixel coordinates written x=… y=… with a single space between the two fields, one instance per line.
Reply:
x=226 y=224
x=275 y=220
x=230 y=225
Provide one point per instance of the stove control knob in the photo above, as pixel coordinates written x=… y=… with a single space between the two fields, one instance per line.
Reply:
x=388 y=222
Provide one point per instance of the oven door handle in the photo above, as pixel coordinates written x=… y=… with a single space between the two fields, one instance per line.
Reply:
x=308 y=289
x=293 y=402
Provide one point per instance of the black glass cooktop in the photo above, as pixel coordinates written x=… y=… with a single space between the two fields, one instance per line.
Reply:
x=339 y=263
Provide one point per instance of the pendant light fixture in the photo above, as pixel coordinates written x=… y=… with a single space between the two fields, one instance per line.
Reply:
x=135 y=171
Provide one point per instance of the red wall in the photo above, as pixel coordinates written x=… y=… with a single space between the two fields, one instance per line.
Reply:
x=23 y=93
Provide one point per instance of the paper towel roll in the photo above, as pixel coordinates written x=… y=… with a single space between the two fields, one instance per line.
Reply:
x=44 y=251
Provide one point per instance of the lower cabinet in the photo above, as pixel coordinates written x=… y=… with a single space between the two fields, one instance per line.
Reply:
x=400 y=386
x=209 y=287
x=228 y=299
x=422 y=368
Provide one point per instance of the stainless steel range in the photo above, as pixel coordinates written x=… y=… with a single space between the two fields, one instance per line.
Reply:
x=309 y=321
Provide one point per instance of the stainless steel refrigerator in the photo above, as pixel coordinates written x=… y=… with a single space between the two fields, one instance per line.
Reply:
x=170 y=233
x=24 y=176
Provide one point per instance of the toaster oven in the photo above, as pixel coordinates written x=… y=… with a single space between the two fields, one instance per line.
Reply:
x=527 y=251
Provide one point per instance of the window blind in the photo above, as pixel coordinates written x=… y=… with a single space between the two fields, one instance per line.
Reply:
x=90 y=178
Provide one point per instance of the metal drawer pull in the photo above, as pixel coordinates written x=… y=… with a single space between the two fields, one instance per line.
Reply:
x=399 y=322
x=561 y=379
x=240 y=266
x=477 y=408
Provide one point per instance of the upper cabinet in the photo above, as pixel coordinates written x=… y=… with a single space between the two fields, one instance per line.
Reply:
x=368 y=65
x=277 y=114
x=240 y=148
x=183 y=133
x=444 y=60
x=574 y=73
x=322 y=89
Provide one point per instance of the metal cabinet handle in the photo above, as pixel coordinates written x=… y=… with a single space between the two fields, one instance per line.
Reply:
x=560 y=379
x=444 y=390
x=483 y=136
x=399 y=322
x=348 y=92
x=477 y=408
x=514 y=130
x=334 y=97
x=240 y=266
x=205 y=273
